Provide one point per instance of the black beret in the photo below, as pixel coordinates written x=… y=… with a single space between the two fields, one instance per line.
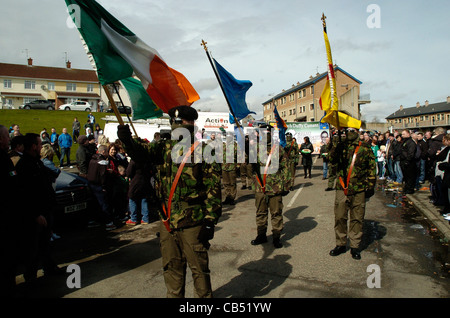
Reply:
x=183 y=112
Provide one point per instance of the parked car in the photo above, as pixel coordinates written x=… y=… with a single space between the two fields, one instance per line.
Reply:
x=39 y=104
x=121 y=109
x=73 y=196
x=78 y=105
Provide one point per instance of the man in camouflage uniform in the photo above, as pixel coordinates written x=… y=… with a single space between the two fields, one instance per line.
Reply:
x=331 y=165
x=229 y=174
x=245 y=169
x=269 y=189
x=195 y=206
x=293 y=156
x=356 y=182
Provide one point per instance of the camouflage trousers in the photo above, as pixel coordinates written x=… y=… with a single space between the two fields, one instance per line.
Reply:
x=331 y=175
x=349 y=209
x=263 y=204
x=246 y=174
x=229 y=183
x=293 y=168
x=178 y=249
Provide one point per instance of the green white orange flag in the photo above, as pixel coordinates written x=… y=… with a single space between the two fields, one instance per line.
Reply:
x=118 y=53
x=328 y=99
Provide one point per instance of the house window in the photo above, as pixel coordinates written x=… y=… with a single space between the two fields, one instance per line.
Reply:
x=304 y=92
x=311 y=89
x=28 y=99
x=51 y=86
x=90 y=88
x=7 y=83
x=311 y=106
x=311 y=119
x=299 y=94
x=30 y=84
x=71 y=87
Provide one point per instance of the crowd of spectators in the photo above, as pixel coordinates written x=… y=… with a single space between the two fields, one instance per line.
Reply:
x=410 y=158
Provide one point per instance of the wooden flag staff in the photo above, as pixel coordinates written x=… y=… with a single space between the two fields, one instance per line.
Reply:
x=114 y=107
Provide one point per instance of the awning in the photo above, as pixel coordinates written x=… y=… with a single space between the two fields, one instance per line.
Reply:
x=77 y=95
x=19 y=94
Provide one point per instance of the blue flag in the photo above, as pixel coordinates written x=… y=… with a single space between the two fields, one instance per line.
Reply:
x=282 y=127
x=235 y=91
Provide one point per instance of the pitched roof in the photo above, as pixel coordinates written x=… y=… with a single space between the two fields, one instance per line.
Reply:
x=47 y=73
x=309 y=82
x=421 y=110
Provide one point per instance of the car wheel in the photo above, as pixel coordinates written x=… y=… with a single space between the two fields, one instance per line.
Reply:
x=49 y=108
x=26 y=107
x=87 y=110
x=67 y=108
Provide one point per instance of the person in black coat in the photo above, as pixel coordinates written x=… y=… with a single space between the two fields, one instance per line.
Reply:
x=307 y=149
x=408 y=162
x=35 y=183
x=8 y=246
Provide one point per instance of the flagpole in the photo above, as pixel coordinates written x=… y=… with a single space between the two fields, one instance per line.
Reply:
x=113 y=105
x=128 y=116
x=221 y=86
x=324 y=24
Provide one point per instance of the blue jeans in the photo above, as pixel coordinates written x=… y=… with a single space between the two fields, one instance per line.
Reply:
x=390 y=167
x=325 y=169
x=398 y=172
x=136 y=206
x=421 y=176
x=64 y=152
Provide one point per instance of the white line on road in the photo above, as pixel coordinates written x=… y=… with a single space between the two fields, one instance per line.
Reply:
x=295 y=196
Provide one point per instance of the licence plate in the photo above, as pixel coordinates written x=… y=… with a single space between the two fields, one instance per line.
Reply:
x=75 y=207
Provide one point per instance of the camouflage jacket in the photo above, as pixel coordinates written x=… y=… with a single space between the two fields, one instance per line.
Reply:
x=277 y=182
x=292 y=151
x=363 y=174
x=229 y=164
x=198 y=192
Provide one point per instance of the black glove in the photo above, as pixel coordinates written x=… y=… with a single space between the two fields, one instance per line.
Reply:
x=206 y=232
x=369 y=193
x=124 y=133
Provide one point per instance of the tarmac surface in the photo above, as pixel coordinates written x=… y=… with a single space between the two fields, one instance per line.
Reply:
x=405 y=242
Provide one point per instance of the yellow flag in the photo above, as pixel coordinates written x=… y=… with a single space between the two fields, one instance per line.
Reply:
x=328 y=99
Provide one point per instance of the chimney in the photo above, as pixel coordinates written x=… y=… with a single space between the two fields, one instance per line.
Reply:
x=68 y=64
x=417 y=104
x=30 y=61
x=448 y=99
x=426 y=103
x=401 y=107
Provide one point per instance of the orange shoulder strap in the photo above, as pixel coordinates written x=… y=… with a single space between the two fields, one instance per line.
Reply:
x=345 y=187
x=174 y=185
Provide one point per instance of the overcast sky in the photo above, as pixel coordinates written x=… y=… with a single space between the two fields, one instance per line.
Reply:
x=404 y=59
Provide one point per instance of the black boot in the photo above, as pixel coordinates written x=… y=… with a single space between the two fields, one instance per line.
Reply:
x=277 y=242
x=260 y=239
x=356 y=254
x=338 y=250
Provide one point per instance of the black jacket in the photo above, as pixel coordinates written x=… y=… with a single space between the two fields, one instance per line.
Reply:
x=98 y=170
x=408 y=150
x=396 y=150
x=36 y=186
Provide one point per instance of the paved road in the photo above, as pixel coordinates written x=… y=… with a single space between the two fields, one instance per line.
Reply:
x=126 y=262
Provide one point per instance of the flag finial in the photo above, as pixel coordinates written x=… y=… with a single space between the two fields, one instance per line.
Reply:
x=204 y=45
x=324 y=23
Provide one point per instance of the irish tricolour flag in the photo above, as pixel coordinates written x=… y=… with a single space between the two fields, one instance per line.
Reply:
x=117 y=53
